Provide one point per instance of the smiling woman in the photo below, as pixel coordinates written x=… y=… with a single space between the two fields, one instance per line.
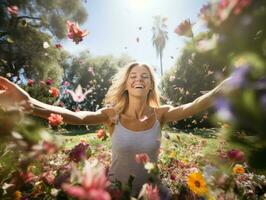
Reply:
x=133 y=116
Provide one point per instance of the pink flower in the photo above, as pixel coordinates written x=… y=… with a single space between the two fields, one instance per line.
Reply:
x=236 y=155
x=30 y=82
x=184 y=29
x=54 y=92
x=227 y=6
x=92 y=186
x=142 y=158
x=48 y=177
x=91 y=71
x=78 y=95
x=49 y=147
x=12 y=10
x=55 y=119
x=80 y=152
x=149 y=192
x=75 y=33
x=66 y=83
x=101 y=133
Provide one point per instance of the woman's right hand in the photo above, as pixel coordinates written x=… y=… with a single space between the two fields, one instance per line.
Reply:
x=12 y=95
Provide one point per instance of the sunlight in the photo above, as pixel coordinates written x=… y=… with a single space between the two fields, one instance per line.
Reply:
x=139 y=4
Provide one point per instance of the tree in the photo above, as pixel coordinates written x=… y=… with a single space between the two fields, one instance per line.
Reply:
x=25 y=26
x=159 y=37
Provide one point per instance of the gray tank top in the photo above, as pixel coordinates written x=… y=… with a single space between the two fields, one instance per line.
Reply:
x=125 y=145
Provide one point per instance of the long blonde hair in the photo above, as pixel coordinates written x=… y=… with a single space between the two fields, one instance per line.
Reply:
x=118 y=98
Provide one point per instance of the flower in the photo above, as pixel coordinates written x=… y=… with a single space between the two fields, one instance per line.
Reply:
x=91 y=71
x=75 y=33
x=49 y=81
x=54 y=92
x=55 y=119
x=238 y=169
x=46 y=45
x=184 y=29
x=149 y=166
x=236 y=155
x=66 y=83
x=149 y=192
x=17 y=195
x=196 y=183
x=92 y=186
x=101 y=133
x=142 y=158
x=12 y=10
x=30 y=82
x=78 y=95
x=224 y=109
x=49 y=147
x=58 y=46
x=80 y=152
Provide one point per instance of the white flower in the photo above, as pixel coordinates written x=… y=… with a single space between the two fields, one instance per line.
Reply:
x=46 y=45
x=149 y=166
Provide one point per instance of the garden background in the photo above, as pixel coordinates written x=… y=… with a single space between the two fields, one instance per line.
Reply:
x=217 y=154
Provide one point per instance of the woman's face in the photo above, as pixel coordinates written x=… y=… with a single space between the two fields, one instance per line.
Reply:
x=139 y=81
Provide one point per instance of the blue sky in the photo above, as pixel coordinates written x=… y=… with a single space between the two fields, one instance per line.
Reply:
x=114 y=27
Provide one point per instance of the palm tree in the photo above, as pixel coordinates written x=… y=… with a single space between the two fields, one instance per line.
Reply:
x=159 y=37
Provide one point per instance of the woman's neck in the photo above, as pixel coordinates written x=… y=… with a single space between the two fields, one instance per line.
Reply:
x=137 y=107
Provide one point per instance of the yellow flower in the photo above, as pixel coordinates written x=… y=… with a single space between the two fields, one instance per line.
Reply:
x=173 y=154
x=238 y=169
x=17 y=195
x=196 y=183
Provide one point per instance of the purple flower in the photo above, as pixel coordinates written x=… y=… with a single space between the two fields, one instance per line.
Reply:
x=263 y=101
x=224 y=109
x=79 y=152
x=236 y=155
x=239 y=77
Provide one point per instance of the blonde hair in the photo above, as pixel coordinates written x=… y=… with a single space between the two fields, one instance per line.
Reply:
x=116 y=95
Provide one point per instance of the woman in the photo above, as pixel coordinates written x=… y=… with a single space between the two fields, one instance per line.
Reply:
x=133 y=115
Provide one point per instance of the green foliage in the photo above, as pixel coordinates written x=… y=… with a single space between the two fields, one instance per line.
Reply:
x=22 y=37
x=193 y=74
x=241 y=40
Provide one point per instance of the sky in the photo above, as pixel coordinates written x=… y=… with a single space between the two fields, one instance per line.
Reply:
x=114 y=27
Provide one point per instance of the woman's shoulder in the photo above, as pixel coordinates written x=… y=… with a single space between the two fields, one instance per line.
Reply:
x=163 y=108
x=110 y=112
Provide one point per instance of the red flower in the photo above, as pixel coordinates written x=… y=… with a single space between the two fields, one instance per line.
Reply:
x=101 y=133
x=58 y=46
x=236 y=155
x=55 y=119
x=92 y=187
x=49 y=82
x=12 y=10
x=184 y=29
x=75 y=33
x=80 y=152
x=54 y=92
x=30 y=82
x=142 y=158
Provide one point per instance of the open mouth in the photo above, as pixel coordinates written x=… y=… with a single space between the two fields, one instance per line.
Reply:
x=138 y=86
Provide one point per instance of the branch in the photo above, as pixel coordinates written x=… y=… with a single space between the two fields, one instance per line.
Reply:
x=28 y=17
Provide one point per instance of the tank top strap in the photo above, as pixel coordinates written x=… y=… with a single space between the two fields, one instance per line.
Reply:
x=155 y=114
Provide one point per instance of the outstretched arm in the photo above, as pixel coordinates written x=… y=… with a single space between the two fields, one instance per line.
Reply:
x=201 y=103
x=12 y=94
